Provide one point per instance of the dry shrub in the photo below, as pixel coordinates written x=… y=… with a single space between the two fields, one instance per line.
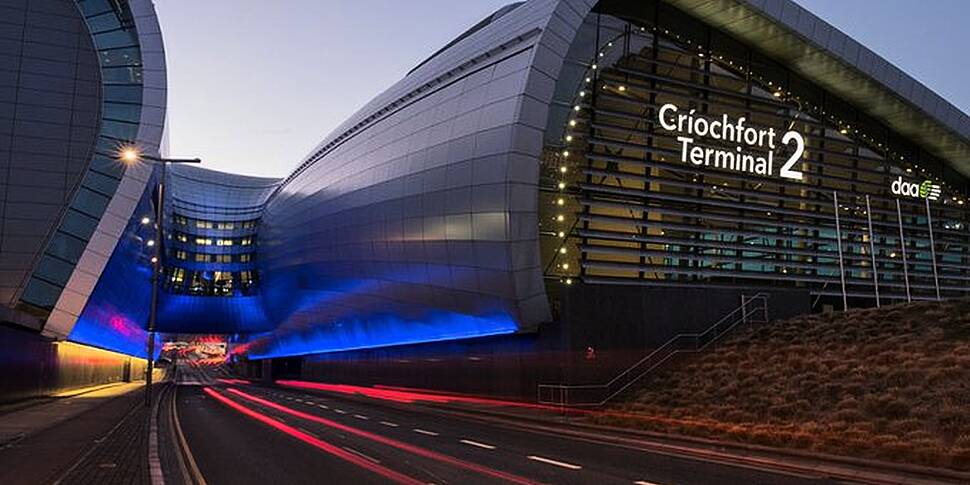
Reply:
x=892 y=383
x=960 y=458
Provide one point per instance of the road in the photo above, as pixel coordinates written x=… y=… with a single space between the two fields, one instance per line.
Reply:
x=240 y=433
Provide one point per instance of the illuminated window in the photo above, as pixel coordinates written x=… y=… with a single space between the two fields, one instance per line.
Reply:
x=181 y=255
x=222 y=281
x=178 y=276
x=182 y=237
x=246 y=241
x=201 y=258
x=223 y=258
x=245 y=258
x=201 y=241
x=224 y=242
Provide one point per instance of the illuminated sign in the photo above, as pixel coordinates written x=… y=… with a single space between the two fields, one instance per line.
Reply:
x=925 y=190
x=754 y=151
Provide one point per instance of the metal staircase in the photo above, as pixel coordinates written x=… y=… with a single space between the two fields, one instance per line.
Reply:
x=753 y=309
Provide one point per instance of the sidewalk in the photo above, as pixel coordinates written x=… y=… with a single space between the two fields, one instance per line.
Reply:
x=98 y=437
x=20 y=423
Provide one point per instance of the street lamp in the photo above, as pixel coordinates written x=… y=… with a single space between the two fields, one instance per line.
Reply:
x=131 y=155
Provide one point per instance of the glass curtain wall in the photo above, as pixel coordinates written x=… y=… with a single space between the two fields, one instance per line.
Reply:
x=623 y=202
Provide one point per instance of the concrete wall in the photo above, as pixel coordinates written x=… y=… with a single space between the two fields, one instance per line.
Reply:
x=33 y=366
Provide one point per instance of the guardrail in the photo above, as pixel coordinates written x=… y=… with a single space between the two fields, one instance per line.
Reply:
x=753 y=309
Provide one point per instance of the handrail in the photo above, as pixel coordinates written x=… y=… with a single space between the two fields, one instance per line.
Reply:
x=665 y=352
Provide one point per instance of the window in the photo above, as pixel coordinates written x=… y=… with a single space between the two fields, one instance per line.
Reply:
x=246 y=241
x=203 y=224
x=201 y=241
x=224 y=242
x=182 y=237
x=223 y=258
x=181 y=255
x=224 y=225
x=245 y=258
x=201 y=258
x=222 y=280
x=178 y=276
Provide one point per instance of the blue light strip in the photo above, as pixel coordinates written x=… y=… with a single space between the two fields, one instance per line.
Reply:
x=387 y=331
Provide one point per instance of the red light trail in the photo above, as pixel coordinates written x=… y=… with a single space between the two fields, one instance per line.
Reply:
x=388 y=441
x=318 y=443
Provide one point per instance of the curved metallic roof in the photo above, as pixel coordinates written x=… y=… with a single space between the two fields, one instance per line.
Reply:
x=827 y=56
x=208 y=194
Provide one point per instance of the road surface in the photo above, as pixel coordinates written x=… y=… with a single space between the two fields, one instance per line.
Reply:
x=241 y=433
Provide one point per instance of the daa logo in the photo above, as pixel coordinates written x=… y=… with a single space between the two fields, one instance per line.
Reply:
x=925 y=190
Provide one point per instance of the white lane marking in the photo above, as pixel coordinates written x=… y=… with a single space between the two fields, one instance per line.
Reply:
x=554 y=462
x=362 y=455
x=388 y=423
x=361 y=416
x=423 y=431
x=308 y=403
x=643 y=482
x=299 y=400
x=323 y=406
x=475 y=443
x=340 y=411
x=311 y=433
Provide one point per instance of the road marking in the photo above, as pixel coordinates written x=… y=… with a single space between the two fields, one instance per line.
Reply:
x=323 y=406
x=360 y=416
x=554 y=462
x=475 y=443
x=340 y=411
x=193 y=467
x=388 y=423
x=422 y=431
x=299 y=400
x=311 y=433
x=308 y=403
x=643 y=482
x=362 y=455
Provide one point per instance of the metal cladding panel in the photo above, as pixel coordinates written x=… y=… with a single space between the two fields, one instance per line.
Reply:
x=50 y=101
x=114 y=255
x=415 y=220
x=216 y=196
x=115 y=313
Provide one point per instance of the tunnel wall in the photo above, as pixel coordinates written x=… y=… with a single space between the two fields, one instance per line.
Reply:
x=33 y=366
x=621 y=324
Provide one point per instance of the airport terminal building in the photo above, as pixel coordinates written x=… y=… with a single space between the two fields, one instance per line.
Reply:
x=560 y=157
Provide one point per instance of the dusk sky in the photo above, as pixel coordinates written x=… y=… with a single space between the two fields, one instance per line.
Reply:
x=254 y=85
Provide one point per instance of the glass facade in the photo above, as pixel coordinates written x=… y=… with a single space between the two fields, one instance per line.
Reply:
x=212 y=233
x=628 y=200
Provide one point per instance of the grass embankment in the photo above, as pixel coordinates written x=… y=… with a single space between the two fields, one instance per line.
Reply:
x=890 y=383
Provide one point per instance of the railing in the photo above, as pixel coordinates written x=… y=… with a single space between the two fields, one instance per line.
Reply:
x=753 y=309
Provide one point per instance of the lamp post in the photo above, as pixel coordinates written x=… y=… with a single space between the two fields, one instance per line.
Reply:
x=131 y=155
